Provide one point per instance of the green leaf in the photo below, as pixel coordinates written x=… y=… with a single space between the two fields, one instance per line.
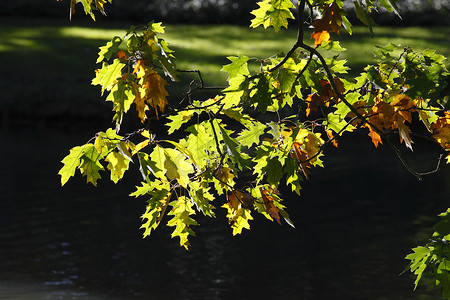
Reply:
x=363 y=16
x=90 y=164
x=443 y=279
x=181 y=212
x=166 y=59
x=390 y=6
x=232 y=148
x=337 y=66
x=332 y=46
x=87 y=8
x=280 y=13
x=177 y=167
x=142 y=190
x=274 y=171
x=117 y=164
x=122 y=95
x=202 y=198
x=261 y=94
x=272 y=13
x=71 y=163
x=342 y=109
x=236 y=91
x=155 y=208
x=237 y=67
x=269 y=164
x=347 y=25
x=175 y=121
x=293 y=175
x=107 y=141
x=336 y=123
x=419 y=262
x=286 y=79
x=111 y=48
x=443 y=227
x=251 y=134
x=183 y=150
x=108 y=75
x=157 y=161
x=261 y=14
x=201 y=143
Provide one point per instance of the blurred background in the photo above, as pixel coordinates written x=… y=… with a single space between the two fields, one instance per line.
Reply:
x=355 y=221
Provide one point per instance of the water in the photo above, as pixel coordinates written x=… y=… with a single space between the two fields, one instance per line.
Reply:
x=355 y=222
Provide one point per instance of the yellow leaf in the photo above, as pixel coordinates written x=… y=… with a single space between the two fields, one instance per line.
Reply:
x=141 y=107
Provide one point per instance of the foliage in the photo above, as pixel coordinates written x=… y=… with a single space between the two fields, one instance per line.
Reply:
x=434 y=257
x=267 y=128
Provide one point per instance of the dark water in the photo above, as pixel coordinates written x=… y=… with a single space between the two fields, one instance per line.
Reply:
x=355 y=222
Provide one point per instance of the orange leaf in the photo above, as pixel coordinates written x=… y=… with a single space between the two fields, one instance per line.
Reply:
x=441 y=130
x=403 y=106
x=383 y=115
x=300 y=156
x=271 y=209
x=376 y=138
x=320 y=37
x=331 y=136
x=139 y=68
x=155 y=91
x=121 y=55
x=330 y=22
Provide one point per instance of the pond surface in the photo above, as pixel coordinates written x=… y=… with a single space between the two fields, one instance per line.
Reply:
x=355 y=222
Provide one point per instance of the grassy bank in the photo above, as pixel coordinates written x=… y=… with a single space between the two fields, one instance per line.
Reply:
x=47 y=66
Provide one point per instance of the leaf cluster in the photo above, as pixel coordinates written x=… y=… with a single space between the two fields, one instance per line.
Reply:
x=266 y=129
x=434 y=257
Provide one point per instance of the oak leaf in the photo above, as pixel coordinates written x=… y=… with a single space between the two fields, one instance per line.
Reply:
x=141 y=106
x=154 y=91
x=326 y=97
x=441 y=130
x=271 y=209
x=330 y=22
x=237 y=215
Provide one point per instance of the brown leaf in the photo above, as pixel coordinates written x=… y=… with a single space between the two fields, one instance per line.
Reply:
x=403 y=131
x=237 y=197
x=330 y=22
x=327 y=95
x=313 y=101
x=233 y=199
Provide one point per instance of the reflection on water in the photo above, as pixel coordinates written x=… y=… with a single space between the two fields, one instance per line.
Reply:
x=355 y=222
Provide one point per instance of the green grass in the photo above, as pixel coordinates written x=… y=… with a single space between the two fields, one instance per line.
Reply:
x=48 y=65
